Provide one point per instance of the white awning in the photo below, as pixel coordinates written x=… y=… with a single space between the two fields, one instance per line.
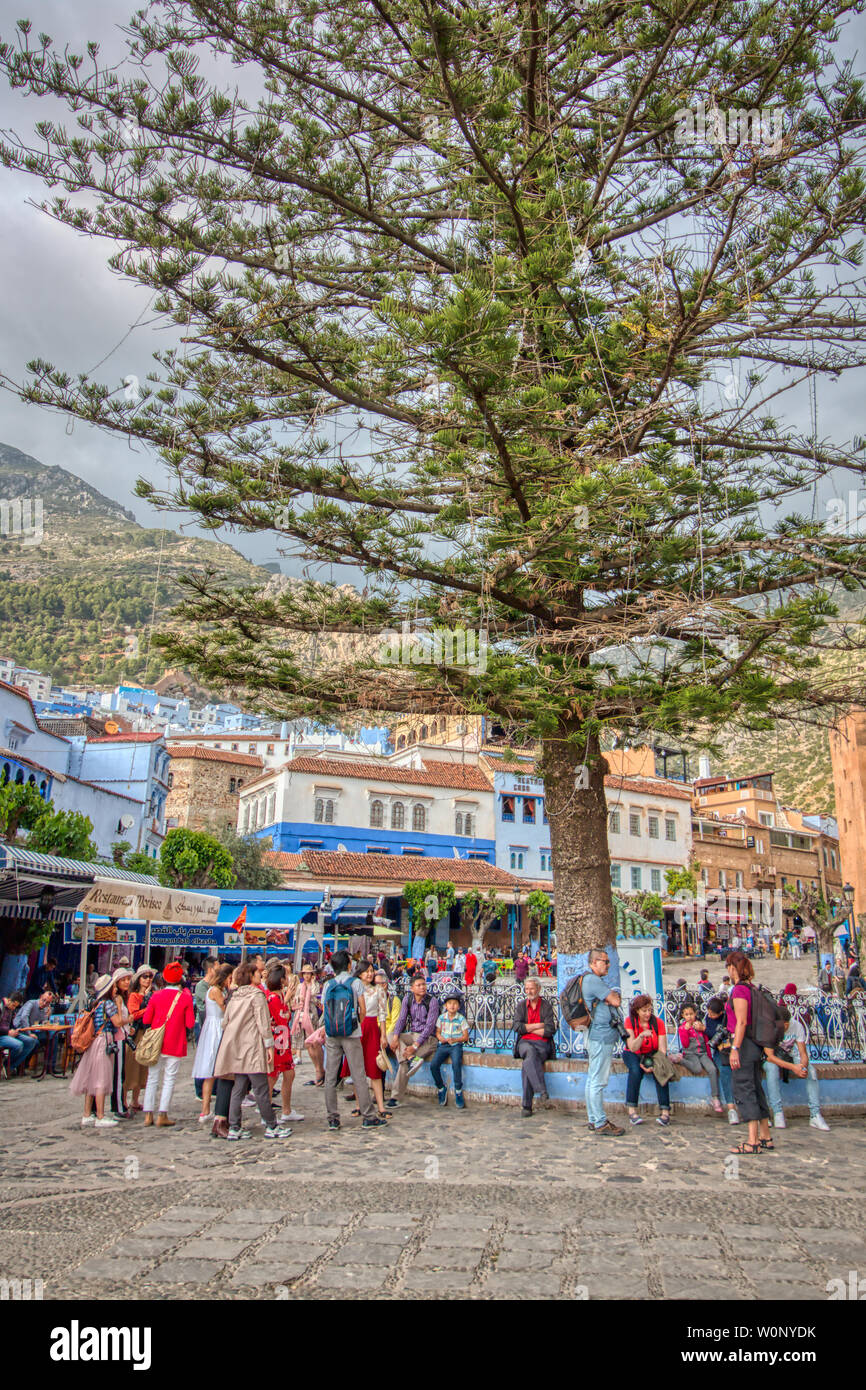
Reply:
x=123 y=898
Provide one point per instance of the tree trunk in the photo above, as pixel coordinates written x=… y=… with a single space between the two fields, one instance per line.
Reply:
x=583 y=902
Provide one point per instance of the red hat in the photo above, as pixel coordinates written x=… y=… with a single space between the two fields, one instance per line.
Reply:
x=173 y=973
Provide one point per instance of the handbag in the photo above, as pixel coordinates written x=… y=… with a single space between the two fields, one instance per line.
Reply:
x=148 y=1049
x=382 y=1060
x=664 y=1070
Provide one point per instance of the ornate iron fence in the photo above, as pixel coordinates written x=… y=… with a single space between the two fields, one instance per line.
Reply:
x=835 y=1027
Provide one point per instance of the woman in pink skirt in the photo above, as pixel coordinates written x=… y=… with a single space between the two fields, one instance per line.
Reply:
x=93 y=1075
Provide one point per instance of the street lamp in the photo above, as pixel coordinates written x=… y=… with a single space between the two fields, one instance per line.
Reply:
x=848 y=894
x=516 y=921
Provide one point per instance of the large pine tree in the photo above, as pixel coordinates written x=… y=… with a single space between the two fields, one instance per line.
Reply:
x=501 y=305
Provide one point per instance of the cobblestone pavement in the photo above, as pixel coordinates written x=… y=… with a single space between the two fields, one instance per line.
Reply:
x=476 y=1204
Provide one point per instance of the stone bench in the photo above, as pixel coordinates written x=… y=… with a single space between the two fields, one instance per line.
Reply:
x=495 y=1077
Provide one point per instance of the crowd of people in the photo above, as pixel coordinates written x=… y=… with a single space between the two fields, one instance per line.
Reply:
x=251 y=1024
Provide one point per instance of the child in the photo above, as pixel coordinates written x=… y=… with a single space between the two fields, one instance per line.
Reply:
x=780 y=1060
x=452 y=1033
x=720 y=1040
x=696 y=1051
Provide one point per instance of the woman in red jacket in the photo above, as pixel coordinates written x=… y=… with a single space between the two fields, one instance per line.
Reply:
x=471 y=966
x=173 y=1007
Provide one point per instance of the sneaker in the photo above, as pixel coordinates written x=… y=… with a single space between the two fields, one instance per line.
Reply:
x=717 y=1107
x=415 y=1066
x=333 y=1124
x=733 y=1117
x=203 y=1117
x=818 y=1122
x=239 y=1134
x=292 y=1115
x=248 y=1101
x=278 y=1132
x=392 y=1103
x=779 y=1120
x=459 y=1101
x=88 y=1119
x=108 y=1123
x=609 y=1129
x=375 y=1123
x=635 y=1119
x=442 y=1093
x=663 y=1120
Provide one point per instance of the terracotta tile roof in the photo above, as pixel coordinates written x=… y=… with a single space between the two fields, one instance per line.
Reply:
x=127 y=738
x=461 y=776
x=657 y=786
x=399 y=868
x=214 y=755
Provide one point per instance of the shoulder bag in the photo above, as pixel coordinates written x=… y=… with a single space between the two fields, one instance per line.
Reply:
x=148 y=1049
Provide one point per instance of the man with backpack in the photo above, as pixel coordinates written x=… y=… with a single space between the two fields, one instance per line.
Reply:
x=600 y=1001
x=342 y=1016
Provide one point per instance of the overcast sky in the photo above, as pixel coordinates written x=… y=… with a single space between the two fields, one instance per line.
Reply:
x=62 y=303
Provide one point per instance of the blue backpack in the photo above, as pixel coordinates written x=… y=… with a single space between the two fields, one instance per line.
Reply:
x=340 y=1009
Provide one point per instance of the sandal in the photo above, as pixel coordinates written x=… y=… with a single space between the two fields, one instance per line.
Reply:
x=746 y=1148
x=768 y=1145
x=384 y=1114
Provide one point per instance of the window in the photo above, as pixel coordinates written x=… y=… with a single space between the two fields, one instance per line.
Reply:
x=468 y=826
x=517 y=859
x=377 y=849
x=529 y=810
x=634 y=823
x=398 y=816
x=240 y=783
x=324 y=812
x=411 y=849
x=251 y=748
x=272 y=808
x=270 y=749
x=656 y=880
x=652 y=827
x=765 y=818
x=170 y=780
x=377 y=814
x=670 y=828
x=423 y=733
x=458 y=824
x=705 y=877
x=544 y=811
x=635 y=878
x=799 y=885
x=508 y=808
x=234 y=748
x=613 y=822
x=231 y=785
x=546 y=863
x=739 y=878
x=310 y=844
x=616 y=875
x=723 y=879
x=419 y=819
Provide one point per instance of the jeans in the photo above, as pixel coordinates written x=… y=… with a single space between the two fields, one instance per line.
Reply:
x=600 y=1062
x=260 y=1086
x=166 y=1070
x=636 y=1075
x=426 y=1049
x=773 y=1077
x=453 y=1053
x=19 y=1048
x=698 y=1062
x=725 y=1084
x=350 y=1048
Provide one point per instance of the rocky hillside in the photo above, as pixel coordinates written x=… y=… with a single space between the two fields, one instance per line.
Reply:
x=79 y=603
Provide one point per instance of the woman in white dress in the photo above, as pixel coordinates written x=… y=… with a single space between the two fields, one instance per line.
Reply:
x=210 y=1036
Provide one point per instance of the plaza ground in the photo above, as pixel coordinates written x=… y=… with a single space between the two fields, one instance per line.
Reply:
x=479 y=1204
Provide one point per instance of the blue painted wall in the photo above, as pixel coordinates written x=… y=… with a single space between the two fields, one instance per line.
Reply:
x=287 y=836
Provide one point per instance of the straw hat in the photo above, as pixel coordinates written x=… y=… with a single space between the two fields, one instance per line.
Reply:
x=143 y=970
x=102 y=986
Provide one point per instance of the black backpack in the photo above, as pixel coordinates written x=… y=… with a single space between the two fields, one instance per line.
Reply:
x=767 y=1026
x=572 y=1005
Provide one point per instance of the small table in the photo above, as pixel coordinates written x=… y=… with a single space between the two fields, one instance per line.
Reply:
x=49 y=1028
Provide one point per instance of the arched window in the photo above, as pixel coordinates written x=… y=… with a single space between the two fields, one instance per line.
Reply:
x=245 y=816
x=398 y=816
x=433 y=729
x=458 y=824
x=43 y=788
x=401 y=741
x=319 y=813
x=377 y=815
x=272 y=807
x=514 y=861
x=7 y=772
x=423 y=733
x=261 y=816
x=19 y=777
x=412 y=736
x=419 y=818
x=329 y=813
x=468 y=826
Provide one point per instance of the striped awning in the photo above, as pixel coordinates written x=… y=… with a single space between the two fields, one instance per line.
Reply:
x=25 y=874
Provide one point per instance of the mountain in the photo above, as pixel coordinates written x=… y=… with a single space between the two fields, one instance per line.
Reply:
x=79 y=603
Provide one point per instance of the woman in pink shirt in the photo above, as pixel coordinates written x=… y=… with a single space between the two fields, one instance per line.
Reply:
x=173 y=1007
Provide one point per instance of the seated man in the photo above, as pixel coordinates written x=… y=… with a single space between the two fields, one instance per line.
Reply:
x=534 y=1028
x=414 y=1038
x=19 y=1045
x=34 y=1012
